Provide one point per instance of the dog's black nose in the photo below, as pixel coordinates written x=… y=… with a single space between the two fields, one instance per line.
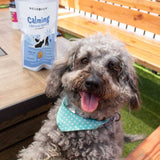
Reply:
x=92 y=82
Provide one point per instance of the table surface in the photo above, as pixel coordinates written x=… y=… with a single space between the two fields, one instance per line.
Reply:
x=16 y=83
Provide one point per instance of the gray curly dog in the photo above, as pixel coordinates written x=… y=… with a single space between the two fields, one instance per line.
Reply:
x=96 y=79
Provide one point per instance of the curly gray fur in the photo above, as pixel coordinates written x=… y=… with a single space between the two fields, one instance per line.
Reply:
x=108 y=60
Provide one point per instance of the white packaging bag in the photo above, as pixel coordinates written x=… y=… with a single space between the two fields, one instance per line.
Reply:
x=38 y=22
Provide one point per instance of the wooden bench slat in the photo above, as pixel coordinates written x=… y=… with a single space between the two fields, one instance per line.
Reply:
x=12 y=152
x=124 y=15
x=145 y=51
x=131 y=39
x=64 y=14
x=149 y=6
x=20 y=131
x=4 y=2
x=145 y=58
x=76 y=30
x=149 y=149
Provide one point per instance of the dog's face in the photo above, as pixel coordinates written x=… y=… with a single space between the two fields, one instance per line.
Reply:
x=98 y=77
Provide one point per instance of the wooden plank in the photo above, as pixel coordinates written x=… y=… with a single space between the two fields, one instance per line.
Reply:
x=145 y=51
x=12 y=152
x=126 y=37
x=22 y=116
x=97 y=26
x=20 y=131
x=3 y=9
x=149 y=149
x=76 y=30
x=145 y=5
x=145 y=58
x=4 y=2
x=131 y=17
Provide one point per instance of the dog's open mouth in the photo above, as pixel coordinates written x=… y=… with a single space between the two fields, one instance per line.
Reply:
x=89 y=102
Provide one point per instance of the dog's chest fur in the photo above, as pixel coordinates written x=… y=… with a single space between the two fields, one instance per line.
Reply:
x=86 y=145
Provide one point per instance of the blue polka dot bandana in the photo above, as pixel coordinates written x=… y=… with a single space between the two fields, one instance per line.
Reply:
x=69 y=121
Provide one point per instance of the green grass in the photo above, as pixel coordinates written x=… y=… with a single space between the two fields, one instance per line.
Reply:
x=68 y=36
x=4 y=6
x=147 y=119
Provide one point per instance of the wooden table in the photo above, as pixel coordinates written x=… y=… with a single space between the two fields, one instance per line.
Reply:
x=16 y=83
x=22 y=95
x=23 y=104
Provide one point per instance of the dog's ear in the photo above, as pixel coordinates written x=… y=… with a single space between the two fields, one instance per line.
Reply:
x=129 y=79
x=54 y=84
x=135 y=101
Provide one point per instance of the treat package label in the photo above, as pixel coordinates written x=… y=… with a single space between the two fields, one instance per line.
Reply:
x=38 y=22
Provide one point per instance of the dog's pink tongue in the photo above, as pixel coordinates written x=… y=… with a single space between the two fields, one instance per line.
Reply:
x=89 y=102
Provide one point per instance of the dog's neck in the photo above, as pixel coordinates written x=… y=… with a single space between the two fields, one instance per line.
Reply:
x=74 y=105
x=69 y=121
x=77 y=110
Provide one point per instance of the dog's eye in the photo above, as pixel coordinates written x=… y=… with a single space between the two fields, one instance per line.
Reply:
x=84 y=61
x=111 y=65
x=114 y=66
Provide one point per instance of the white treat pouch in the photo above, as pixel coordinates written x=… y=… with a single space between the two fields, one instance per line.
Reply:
x=38 y=22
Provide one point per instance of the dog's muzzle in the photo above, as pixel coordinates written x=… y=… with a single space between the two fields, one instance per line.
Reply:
x=92 y=82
